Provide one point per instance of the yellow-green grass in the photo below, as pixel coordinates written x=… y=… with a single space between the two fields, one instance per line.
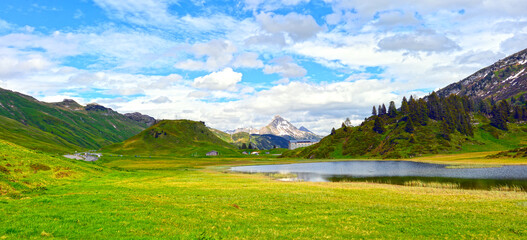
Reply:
x=212 y=205
x=194 y=198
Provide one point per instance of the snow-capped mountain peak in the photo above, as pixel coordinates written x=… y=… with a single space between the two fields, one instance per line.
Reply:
x=280 y=127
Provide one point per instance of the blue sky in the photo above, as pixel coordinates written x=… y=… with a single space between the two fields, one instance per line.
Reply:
x=238 y=63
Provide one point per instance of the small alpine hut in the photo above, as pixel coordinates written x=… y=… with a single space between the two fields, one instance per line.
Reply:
x=212 y=153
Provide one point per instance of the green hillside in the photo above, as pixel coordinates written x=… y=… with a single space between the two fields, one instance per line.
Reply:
x=62 y=126
x=175 y=138
x=25 y=171
x=440 y=125
x=264 y=141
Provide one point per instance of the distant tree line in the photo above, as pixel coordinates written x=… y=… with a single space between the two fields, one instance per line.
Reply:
x=454 y=113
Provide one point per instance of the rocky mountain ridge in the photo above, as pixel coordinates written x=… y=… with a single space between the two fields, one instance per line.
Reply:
x=504 y=79
x=279 y=127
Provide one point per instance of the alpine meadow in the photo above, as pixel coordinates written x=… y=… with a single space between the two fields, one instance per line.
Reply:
x=251 y=119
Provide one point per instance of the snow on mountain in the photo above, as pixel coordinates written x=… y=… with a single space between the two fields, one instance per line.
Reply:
x=504 y=79
x=280 y=127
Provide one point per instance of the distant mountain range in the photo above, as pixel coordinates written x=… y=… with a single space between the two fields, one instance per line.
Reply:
x=280 y=127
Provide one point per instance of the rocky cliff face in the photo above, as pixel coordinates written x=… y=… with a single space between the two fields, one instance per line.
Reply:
x=138 y=117
x=501 y=80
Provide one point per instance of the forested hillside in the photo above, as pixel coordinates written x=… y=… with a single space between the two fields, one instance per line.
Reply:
x=419 y=126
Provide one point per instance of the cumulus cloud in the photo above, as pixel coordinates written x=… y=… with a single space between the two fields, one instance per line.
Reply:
x=395 y=19
x=225 y=79
x=218 y=54
x=247 y=60
x=285 y=67
x=298 y=27
x=425 y=41
x=266 y=39
x=12 y=66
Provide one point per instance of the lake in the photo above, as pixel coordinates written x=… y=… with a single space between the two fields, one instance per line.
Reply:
x=401 y=173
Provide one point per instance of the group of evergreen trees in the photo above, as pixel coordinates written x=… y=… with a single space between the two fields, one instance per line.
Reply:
x=453 y=112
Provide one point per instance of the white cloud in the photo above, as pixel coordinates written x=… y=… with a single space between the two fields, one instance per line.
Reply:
x=298 y=27
x=480 y=58
x=514 y=44
x=395 y=19
x=161 y=99
x=426 y=41
x=218 y=54
x=285 y=67
x=225 y=79
x=13 y=66
x=248 y=60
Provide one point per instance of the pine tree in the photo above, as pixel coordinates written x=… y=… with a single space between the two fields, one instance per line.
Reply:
x=383 y=110
x=409 y=128
x=434 y=107
x=404 y=106
x=244 y=146
x=374 y=111
x=392 y=110
x=444 y=130
x=333 y=131
x=498 y=118
x=378 y=125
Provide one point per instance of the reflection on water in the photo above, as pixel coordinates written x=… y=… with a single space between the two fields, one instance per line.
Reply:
x=401 y=173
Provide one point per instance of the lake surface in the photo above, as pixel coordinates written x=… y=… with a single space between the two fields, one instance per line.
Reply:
x=400 y=172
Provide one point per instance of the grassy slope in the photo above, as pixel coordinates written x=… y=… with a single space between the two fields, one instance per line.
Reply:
x=24 y=171
x=33 y=138
x=87 y=129
x=173 y=137
x=183 y=200
x=362 y=142
x=265 y=141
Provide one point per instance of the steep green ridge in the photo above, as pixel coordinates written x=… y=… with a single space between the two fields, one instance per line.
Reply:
x=439 y=125
x=32 y=138
x=25 y=171
x=89 y=127
x=173 y=137
x=258 y=141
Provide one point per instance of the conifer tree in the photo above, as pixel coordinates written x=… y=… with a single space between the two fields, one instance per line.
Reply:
x=404 y=106
x=378 y=125
x=244 y=146
x=409 y=128
x=444 y=130
x=434 y=107
x=392 y=110
x=250 y=146
x=333 y=131
x=498 y=118
x=374 y=111
x=383 y=110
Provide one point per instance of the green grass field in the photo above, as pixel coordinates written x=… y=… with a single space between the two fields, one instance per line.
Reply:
x=195 y=198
